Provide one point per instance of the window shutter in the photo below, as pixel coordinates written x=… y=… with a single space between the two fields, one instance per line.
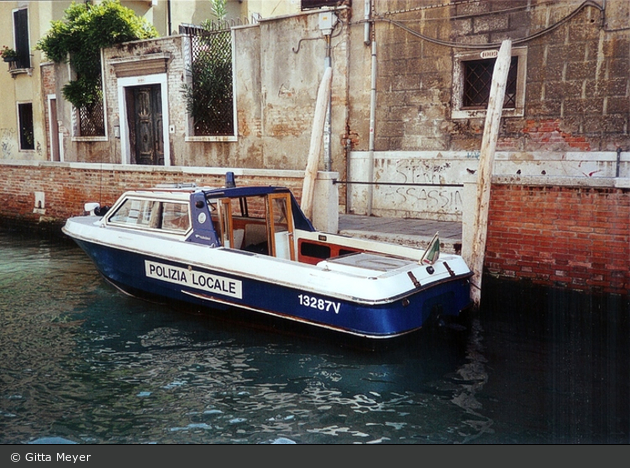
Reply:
x=20 y=25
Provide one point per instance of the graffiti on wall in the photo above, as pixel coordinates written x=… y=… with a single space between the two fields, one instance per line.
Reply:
x=418 y=186
x=7 y=142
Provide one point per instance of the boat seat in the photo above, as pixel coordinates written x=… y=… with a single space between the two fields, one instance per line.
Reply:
x=261 y=248
x=255 y=234
x=256 y=238
x=239 y=235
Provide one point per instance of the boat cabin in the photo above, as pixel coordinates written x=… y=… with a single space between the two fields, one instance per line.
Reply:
x=261 y=220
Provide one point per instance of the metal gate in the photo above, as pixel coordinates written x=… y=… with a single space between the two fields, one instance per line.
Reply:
x=210 y=96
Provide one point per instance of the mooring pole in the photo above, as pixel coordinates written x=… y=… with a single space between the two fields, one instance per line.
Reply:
x=486 y=161
x=317 y=133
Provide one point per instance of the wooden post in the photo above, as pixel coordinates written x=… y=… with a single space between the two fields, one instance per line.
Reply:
x=317 y=133
x=486 y=162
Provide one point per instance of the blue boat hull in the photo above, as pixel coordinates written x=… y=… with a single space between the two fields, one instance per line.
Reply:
x=153 y=277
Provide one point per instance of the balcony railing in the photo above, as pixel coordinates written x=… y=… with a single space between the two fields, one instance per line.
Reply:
x=18 y=67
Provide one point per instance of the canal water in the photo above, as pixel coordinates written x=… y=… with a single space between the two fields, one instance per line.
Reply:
x=82 y=363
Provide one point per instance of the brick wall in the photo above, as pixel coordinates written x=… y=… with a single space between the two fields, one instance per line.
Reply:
x=574 y=237
x=567 y=236
x=66 y=188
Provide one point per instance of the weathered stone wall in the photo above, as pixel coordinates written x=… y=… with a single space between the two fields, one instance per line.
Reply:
x=572 y=116
x=576 y=87
x=427 y=184
x=576 y=90
x=49 y=85
x=278 y=65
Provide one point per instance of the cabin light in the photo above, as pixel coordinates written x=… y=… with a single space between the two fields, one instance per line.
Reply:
x=430 y=270
x=321 y=238
x=199 y=204
x=230 y=182
x=405 y=302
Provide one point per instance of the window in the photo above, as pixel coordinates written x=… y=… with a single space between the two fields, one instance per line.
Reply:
x=20 y=32
x=137 y=213
x=152 y=214
x=308 y=4
x=472 y=81
x=478 y=81
x=209 y=89
x=175 y=217
x=25 y=116
x=91 y=118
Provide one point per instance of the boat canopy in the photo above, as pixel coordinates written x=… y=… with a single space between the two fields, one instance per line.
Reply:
x=300 y=221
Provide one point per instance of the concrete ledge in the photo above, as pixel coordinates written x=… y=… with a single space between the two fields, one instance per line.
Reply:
x=408 y=240
x=271 y=173
x=560 y=181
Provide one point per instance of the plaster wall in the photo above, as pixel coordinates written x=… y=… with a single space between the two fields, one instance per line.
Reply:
x=429 y=184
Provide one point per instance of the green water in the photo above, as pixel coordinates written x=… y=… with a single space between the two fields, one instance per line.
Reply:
x=81 y=362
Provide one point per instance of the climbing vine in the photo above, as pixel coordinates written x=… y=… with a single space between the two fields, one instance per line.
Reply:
x=81 y=35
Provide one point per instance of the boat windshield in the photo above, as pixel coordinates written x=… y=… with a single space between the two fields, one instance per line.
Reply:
x=152 y=214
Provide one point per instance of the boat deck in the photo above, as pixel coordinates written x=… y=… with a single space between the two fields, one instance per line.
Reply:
x=410 y=232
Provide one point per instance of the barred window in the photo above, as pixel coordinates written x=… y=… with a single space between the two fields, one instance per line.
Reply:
x=308 y=4
x=478 y=80
x=210 y=95
x=472 y=80
x=92 y=118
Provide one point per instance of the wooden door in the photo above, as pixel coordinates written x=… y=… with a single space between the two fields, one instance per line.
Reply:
x=54 y=131
x=148 y=146
x=280 y=226
x=225 y=222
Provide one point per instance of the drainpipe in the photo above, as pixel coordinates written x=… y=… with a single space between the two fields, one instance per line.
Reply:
x=168 y=9
x=618 y=161
x=327 y=125
x=371 y=140
x=366 y=26
x=369 y=38
x=348 y=150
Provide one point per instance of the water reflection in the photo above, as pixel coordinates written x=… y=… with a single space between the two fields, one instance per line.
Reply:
x=563 y=357
x=190 y=379
x=83 y=363
x=472 y=376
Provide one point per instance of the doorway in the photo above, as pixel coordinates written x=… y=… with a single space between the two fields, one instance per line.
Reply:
x=144 y=119
x=53 y=129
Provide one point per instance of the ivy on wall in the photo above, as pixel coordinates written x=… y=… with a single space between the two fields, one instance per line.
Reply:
x=81 y=35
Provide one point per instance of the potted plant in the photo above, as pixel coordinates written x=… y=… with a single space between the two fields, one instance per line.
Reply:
x=8 y=54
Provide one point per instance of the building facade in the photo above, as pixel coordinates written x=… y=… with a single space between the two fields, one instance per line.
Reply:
x=410 y=86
